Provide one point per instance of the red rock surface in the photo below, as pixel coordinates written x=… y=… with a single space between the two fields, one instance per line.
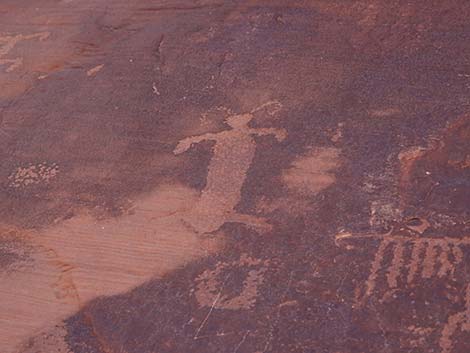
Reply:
x=234 y=176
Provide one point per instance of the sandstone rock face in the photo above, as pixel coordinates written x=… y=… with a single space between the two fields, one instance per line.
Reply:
x=234 y=176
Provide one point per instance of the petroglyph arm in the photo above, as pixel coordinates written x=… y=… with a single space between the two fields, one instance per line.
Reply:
x=465 y=240
x=41 y=36
x=272 y=107
x=279 y=134
x=5 y=39
x=9 y=42
x=186 y=143
x=14 y=63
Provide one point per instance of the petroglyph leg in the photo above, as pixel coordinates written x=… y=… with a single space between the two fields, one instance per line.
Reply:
x=429 y=260
x=396 y=266
x=257 y=223
x=457 y=253
x=446 y=266
x=279 y=134
x=375 y=267
x=413 y=266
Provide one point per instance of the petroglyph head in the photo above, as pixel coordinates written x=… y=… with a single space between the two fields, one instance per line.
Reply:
x=239 y=121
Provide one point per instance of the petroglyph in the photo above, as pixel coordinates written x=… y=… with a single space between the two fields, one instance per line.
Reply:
x=233 y=154
x=459 y=320
x=33 y=174
x=429 y=257
x=210 y=284
x=8 y=42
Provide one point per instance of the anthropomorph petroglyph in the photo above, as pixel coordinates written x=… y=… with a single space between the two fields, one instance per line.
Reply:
x=8 y=42
x=427 y=257
x=233 y=153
